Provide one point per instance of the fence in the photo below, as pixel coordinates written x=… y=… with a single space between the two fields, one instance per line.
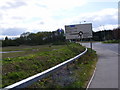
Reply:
x=30 y=80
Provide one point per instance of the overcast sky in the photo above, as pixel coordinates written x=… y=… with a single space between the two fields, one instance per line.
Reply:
x=18 y=16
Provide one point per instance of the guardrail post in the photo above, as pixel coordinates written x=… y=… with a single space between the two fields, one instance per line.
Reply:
x=75 y=63
x=67 y=67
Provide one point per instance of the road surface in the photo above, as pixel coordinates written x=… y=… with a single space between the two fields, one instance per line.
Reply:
x=106 y=75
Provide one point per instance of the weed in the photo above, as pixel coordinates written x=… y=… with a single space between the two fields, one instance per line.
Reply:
x=80 y=72
x=45 y=58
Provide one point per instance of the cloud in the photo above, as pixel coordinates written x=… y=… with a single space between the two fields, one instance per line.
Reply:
x=62 y=4
x=2 y=37
x=102 y=0
x=29 y=10
x=103 y=17
x=12 y=31
x=18 y=16
x=106 y=27
x=11 y=4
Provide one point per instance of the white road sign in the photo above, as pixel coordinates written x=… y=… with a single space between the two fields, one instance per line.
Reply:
x=78 y=31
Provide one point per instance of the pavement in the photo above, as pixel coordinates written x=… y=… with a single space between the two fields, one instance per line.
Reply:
x=106 y=74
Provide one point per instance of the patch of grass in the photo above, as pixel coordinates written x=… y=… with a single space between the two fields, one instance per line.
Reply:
x=112 y=41
x=13 y=77
x=25 y=66
x=86 y=68
x=75 y=75
x=27 y=50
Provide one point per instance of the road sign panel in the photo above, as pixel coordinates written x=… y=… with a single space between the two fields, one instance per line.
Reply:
x=79 y=30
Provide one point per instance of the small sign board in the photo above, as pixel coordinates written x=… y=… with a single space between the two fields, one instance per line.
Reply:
x=78 y=31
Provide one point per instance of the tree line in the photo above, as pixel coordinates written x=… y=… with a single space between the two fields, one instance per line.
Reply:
x=57 y=37
x=40 y=38
x=107 y=35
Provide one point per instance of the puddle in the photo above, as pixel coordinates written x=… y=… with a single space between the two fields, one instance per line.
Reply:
x=10 y=51
x=55 y=49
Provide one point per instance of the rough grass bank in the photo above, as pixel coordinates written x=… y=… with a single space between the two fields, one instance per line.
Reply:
x=34 y=60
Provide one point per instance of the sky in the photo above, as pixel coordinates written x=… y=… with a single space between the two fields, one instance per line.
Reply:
x=19 y=16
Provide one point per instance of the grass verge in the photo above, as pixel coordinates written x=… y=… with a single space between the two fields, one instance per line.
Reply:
x=112 y=41
x=17 y=68
x=75 y=75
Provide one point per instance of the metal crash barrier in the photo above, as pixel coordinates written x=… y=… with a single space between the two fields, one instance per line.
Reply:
x=30 y=80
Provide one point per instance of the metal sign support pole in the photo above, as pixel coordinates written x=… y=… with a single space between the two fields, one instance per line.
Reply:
x=80 y=39
x=91 y=44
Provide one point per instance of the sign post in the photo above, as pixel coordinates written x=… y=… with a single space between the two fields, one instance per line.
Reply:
x=91 y=44
x=74 y=32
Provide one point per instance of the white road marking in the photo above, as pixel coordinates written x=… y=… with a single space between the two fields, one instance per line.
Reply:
x=91 y=79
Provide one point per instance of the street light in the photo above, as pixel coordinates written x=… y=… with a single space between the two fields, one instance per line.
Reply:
x=82 y=21
x=103 y=32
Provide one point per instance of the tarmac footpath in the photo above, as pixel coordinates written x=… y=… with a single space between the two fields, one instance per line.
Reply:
x=106 y=73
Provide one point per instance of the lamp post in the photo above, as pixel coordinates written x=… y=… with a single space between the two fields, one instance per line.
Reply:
x=104 y=38
x=104 y=32
x=82 y=21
